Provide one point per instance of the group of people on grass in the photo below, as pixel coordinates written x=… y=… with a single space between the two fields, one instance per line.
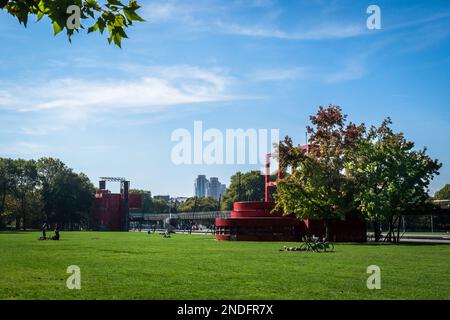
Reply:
x=46 y=227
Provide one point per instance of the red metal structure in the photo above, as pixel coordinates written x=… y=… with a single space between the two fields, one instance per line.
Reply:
x=255 y=221
x=111 y=209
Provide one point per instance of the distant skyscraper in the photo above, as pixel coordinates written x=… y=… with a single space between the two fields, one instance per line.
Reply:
x=215 y=188
x=212 y=188
x=201 y=186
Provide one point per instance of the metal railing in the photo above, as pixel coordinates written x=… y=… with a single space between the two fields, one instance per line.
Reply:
x=135 y=216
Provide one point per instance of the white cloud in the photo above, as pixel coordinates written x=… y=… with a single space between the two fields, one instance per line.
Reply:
x=293 y=73
x=348 y=71
x=318 y=33
x=352 y=70
x=64 y=103
x=184 y=12
x=39 y=130
x=158 y=89
x=159 y=12
x=219 y=17
x=22 y=149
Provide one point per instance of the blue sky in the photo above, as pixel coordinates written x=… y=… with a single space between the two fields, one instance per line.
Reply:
x=232 y=64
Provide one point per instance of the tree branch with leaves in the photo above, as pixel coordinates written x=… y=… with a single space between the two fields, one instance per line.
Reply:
x=110 y=15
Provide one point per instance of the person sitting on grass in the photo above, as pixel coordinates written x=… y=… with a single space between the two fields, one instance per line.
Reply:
x=56 y=236
x=43 y=229
x=166 y=234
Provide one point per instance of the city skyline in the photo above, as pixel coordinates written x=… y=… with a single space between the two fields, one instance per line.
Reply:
x=261 y=64
x=208 y=188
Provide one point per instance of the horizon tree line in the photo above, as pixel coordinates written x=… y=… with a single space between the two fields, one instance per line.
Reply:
x=373 y=173
x=44 y=190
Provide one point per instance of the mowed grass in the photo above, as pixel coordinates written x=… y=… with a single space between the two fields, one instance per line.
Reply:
x=142 y=266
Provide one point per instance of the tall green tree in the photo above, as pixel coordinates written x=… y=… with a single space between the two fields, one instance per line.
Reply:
x=195 y=204
x=45 y=190
x=73 y=195
x=317 y=186
x=24 y=190
x=48 y=170
x=443 y=194
x=67 y=196
x=111 y=15
x=160 y=206
x=392 y=177
x=8 y=174
x=249 y=186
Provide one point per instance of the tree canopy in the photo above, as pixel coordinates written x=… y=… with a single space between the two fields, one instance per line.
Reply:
x=195 y=204
x=32 y=192
x=317 y=186
x=111 y=15
x=347 y=169
x=443 y=194
x=248 y=186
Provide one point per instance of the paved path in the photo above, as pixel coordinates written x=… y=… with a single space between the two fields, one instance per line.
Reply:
x=416 y=240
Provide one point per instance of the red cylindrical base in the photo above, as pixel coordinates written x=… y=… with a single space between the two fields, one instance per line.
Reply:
x=255 y=221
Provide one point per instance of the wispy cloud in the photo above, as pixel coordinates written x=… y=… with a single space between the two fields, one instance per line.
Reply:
x=219 y=17
x=40 y=130
x=347 y=71
x=281 y=74
x=159 y=12
x=317 y=33
x=62 y=103
x=159 y=88
x=22 y=149
x=182 y=12
x=351 y=70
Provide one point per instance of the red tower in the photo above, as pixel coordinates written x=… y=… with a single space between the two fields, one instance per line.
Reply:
x=111 y=209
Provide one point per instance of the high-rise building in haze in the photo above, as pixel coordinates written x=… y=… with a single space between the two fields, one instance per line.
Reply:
x=201 y=186
x=208 y=188
x=215 y=188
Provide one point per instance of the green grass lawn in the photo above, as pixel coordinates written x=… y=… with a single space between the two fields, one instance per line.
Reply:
x=142 y=266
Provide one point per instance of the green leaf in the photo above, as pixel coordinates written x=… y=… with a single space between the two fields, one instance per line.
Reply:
x=93 y=4
x=101 y=25
x=56 y=28
x=132 y=15
x=116 y=2
x=40 y=14
x=119 y=21
x=93 y=28
x=41 y=6
x=118 y=40
x=121 y=32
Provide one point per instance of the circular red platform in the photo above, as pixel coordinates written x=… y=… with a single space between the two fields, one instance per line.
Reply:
x=255 y=221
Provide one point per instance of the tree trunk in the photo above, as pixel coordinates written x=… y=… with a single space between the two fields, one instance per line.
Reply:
x=391 y=224
x=377 y=231
x=17 y=217
x=24 y=223
x=2 y=208
x=328 y=230
x=398 y=228
x=24 y=227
